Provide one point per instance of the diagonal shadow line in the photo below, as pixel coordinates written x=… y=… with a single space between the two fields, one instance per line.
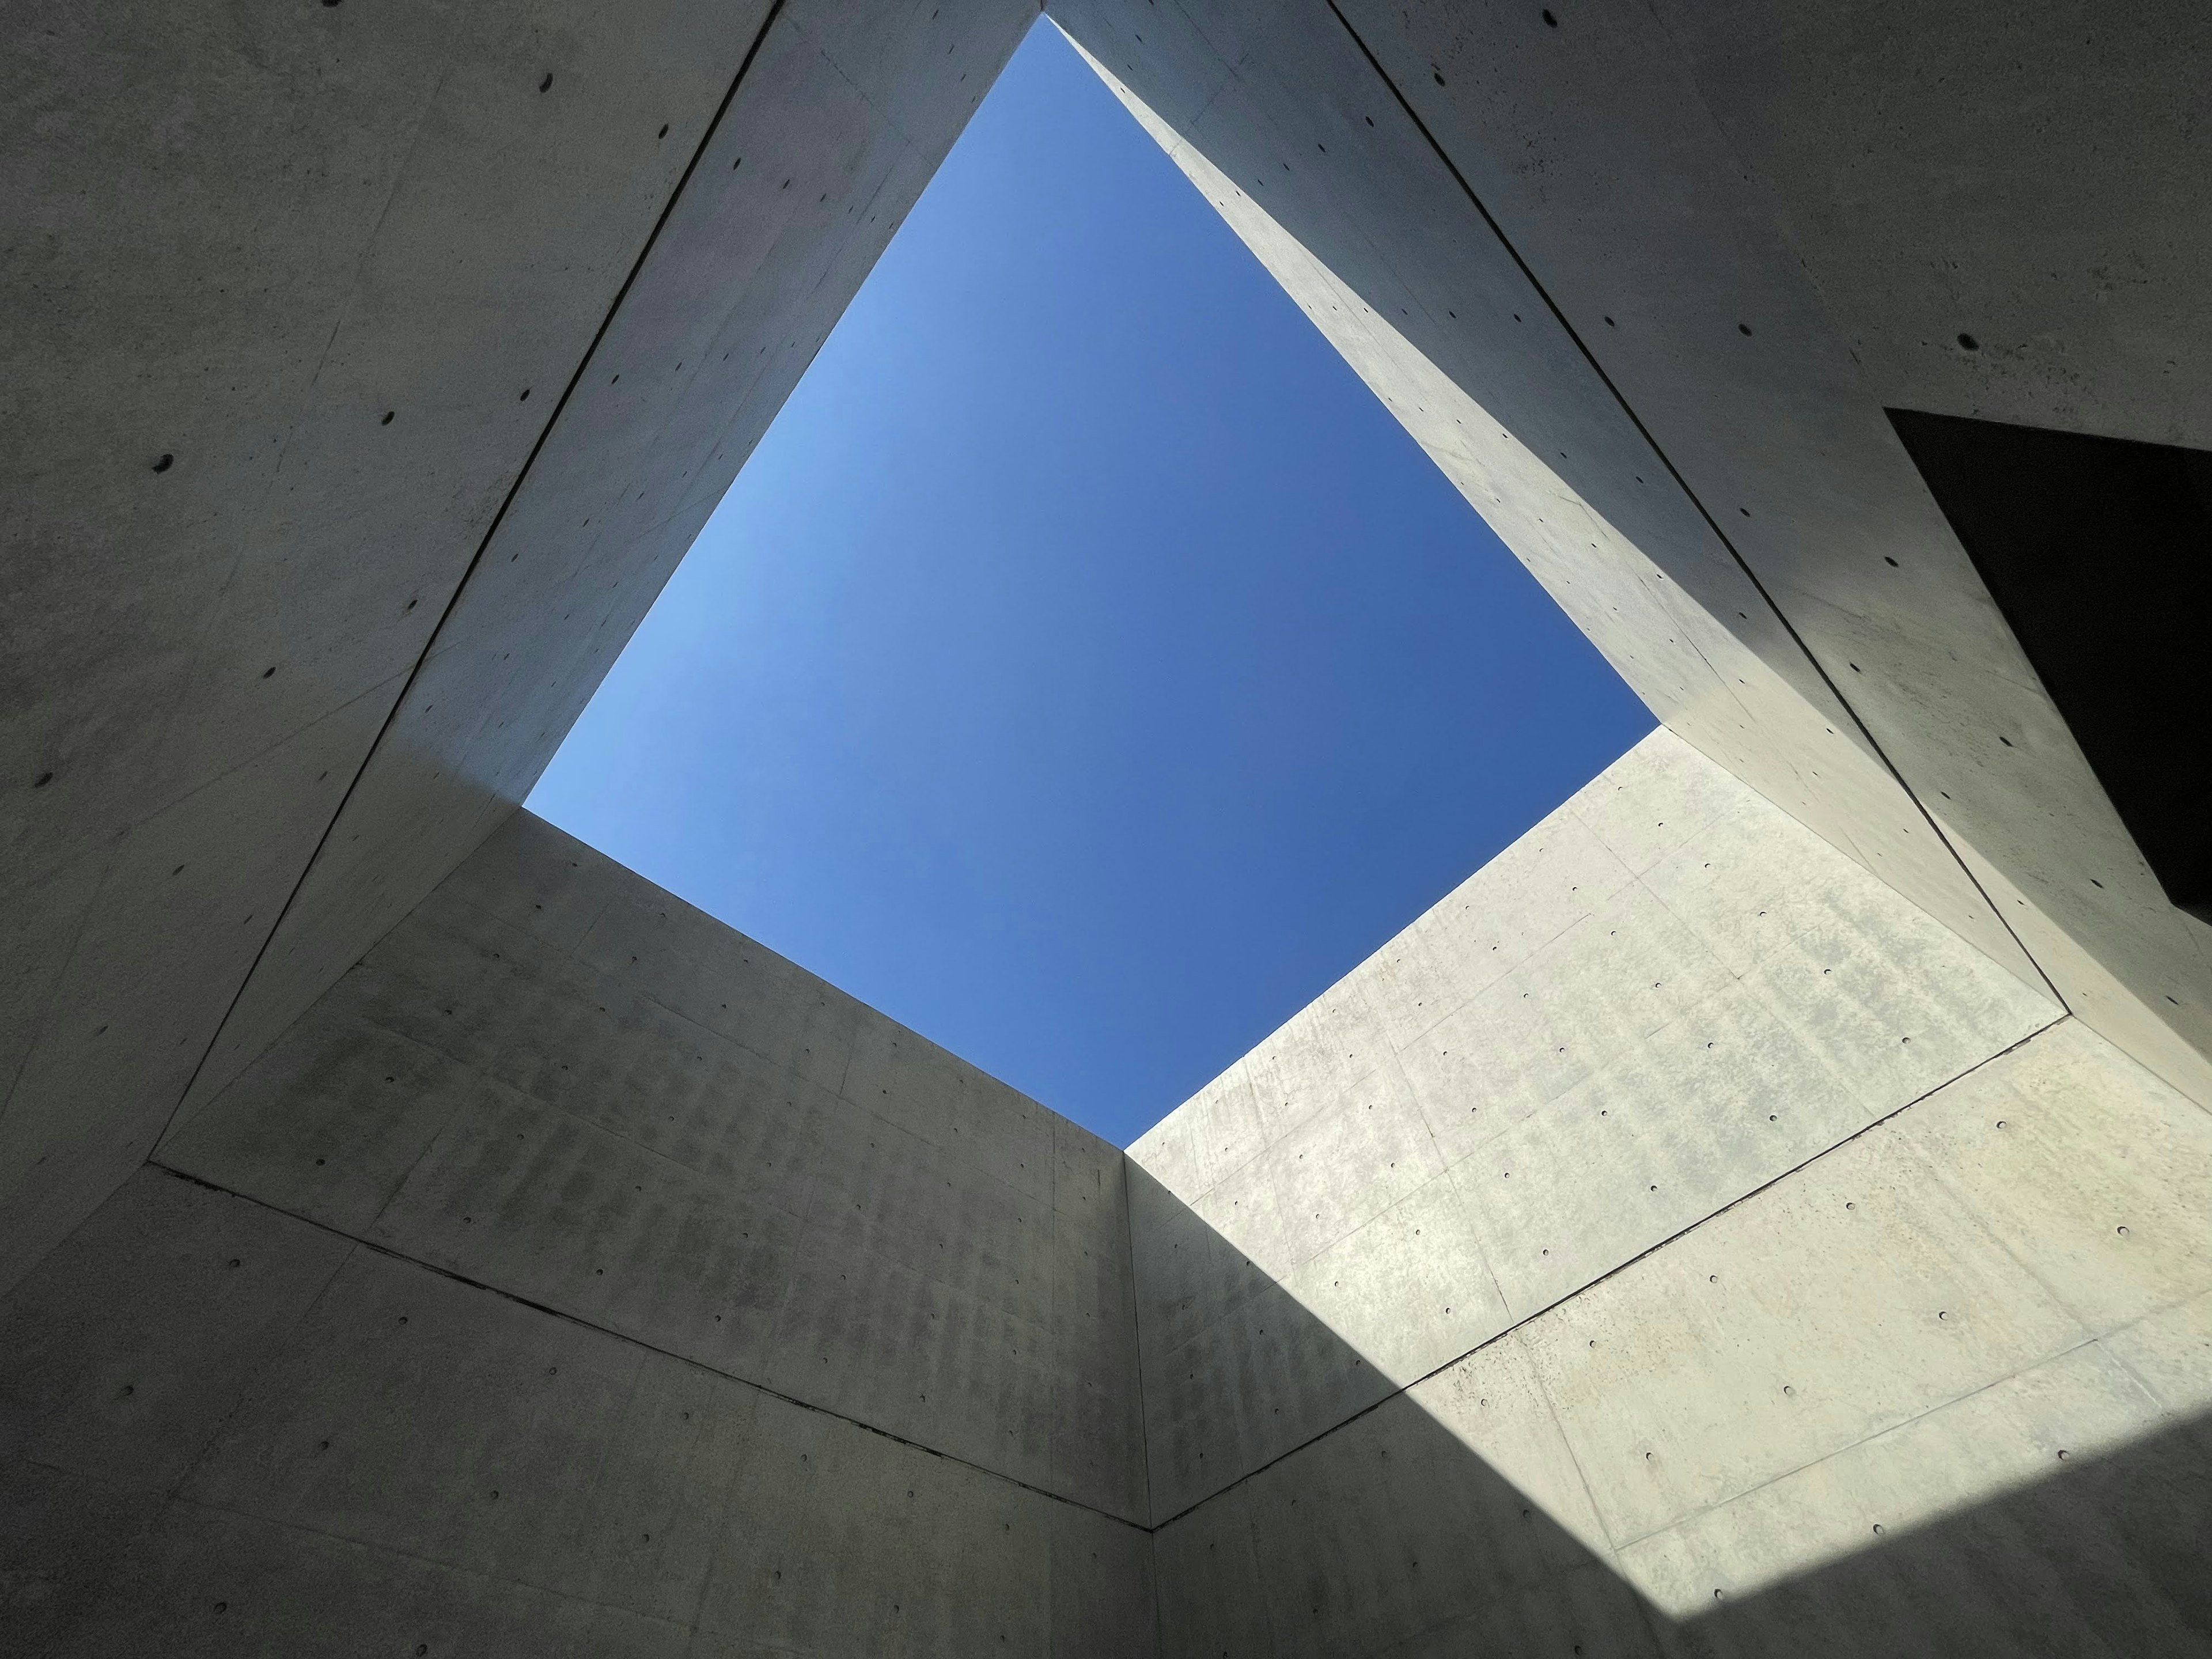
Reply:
x=491 y=532
x=1386 y=1531
x=2114 y=1544
x=1141 y=1180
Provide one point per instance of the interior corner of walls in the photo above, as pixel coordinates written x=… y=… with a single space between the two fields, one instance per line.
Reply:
x=2171 y=1041
x=182 y=904
x=67 y=1178
x=1147 y=1514
x=344 y=904
x=879 y=48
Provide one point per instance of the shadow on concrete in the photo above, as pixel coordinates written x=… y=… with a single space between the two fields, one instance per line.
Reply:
x=1451 y=1517
x=2111 y=1554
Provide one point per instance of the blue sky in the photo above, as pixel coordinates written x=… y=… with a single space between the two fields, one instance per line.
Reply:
x=1085 y=670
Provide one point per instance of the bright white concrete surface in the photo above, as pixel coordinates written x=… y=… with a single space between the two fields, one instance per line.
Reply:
x=1663 y=997
x=1940 y=1388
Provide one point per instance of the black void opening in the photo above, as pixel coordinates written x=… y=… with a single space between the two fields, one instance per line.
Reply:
x=2099 y=552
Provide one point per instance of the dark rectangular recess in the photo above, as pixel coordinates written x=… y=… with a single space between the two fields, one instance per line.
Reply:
x=2099 y=552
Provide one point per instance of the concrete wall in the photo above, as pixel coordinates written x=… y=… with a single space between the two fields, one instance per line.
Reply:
x=1664 y=996
x=1928 y=1395
x=264 y=698
x=1642 y=280
x=1718 y=1250
x=453 y=326
x=577 y=1276
x=1675 y=1242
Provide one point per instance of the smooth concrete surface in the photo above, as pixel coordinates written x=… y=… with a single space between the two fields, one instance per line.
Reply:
x=1643 y=279
x=1712 y=1236
x=1675 y=1243
x=271 y=694
x=1909 y=1398
x=1665 y=996
x=577 y=1276
x=230 y=1431
x=443 y=397
x=557 y=1081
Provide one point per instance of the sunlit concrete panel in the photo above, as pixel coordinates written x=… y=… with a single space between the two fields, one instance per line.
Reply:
x=1667 y=995
x=1939 y=1391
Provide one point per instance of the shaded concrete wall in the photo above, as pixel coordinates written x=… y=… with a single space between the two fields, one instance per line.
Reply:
x=1675 y=1242
x=602 y=1283
x=1642 y=280
x=452 y=326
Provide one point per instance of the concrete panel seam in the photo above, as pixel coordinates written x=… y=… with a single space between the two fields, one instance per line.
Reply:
x=2134 y=1374
x=371 y=1246
x=436 y=1563
x=1690 y=495
x=306 y=1308
x=1143 y=1418
x=1582 y=1475
x=453 y=603
x=1394 y=1057
x=475 y=909
x=1613 y=1271
x=1940 y=1172
x=46 y=1001
x=1886 y=1429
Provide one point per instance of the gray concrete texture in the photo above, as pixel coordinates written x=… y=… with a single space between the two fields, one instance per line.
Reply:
x=558 y=1081
x=235 y=1432
x=1665 y=996
x=447 y=373
x=1764 y=1212
x=1832 y=1294
x=1622 y=235
x=577 y=1276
